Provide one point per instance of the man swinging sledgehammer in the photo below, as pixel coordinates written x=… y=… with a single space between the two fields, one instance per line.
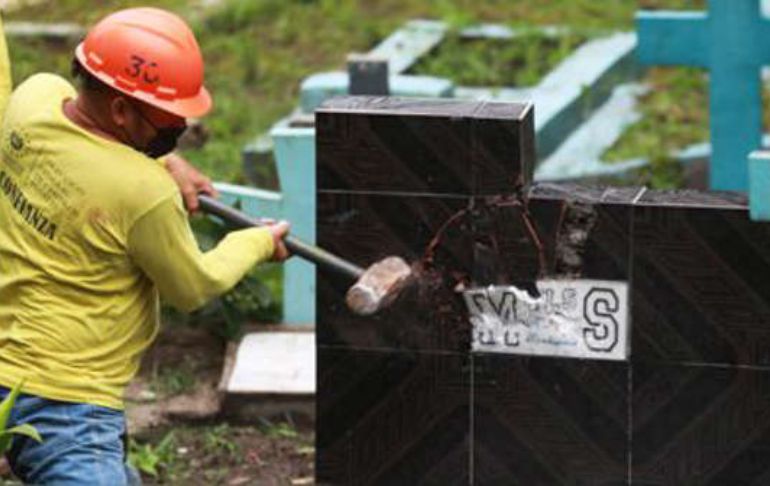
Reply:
x=93 y=230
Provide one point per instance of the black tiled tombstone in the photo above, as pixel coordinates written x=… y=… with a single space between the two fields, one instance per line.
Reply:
x=402 y=399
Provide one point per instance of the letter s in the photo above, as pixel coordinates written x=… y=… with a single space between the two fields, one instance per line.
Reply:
x=599 y=308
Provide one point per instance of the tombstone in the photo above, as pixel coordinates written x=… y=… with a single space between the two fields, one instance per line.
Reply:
x=731 y=41
x=645 y=314
x=368 y=75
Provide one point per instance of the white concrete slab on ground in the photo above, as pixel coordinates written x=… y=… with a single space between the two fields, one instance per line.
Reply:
x=273 y=363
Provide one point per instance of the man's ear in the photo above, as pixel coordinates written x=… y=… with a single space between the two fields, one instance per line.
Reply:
x=120 y=111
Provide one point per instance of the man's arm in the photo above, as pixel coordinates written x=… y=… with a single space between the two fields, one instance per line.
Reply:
x=161 y=242
x=190 y=180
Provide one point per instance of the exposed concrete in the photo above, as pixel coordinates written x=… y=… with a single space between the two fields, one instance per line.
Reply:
x=577 y=222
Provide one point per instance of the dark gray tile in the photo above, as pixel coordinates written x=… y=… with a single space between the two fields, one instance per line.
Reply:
x=549 y=421
x=701 y=291
x=700 y=425
x=419 y=146
x=392 y=417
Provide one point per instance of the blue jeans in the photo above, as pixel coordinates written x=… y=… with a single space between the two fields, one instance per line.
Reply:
x=82 y=444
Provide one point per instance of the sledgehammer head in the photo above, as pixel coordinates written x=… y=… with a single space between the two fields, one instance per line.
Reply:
x=379 y=286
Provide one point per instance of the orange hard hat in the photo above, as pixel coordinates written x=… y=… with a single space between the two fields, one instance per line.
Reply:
x=151 y=55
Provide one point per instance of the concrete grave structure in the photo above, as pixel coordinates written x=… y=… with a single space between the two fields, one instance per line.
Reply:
x=412 y=396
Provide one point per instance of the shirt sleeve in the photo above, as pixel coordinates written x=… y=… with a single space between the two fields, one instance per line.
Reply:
x=162 y=243
x=6 y=83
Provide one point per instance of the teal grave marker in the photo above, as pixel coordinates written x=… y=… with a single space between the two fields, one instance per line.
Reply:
x=732 y=41
x=294 y=148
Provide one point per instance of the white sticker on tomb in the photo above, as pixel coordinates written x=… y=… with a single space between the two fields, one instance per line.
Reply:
x=571 y=318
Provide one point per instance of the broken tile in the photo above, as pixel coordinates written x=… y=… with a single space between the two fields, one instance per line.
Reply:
x=368 y=227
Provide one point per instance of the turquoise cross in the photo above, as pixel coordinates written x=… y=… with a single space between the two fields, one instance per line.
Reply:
x=732 y=40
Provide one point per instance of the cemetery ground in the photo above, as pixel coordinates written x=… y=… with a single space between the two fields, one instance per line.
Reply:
x=258 y=52
x=178 y=436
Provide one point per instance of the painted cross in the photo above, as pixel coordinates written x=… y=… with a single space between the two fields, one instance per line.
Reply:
x=732 y=41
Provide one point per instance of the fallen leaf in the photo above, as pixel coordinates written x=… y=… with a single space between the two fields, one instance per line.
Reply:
x=302 y=481
x=238 y=481
x=306 y=451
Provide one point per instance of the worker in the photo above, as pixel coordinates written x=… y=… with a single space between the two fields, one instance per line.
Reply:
x=93 y=230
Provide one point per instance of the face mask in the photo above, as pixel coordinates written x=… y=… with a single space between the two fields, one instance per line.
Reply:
x=165 y=140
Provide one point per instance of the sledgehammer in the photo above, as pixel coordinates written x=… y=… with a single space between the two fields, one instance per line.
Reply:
x=376 y=287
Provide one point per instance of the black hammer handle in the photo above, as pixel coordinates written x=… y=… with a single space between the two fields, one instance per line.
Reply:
x=296 y=246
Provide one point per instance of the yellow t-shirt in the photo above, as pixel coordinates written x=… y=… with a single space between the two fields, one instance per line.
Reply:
x=90 y=231
x=5 y=71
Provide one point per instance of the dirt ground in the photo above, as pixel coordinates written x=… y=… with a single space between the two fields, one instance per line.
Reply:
x=235 y=455
x=178 y=433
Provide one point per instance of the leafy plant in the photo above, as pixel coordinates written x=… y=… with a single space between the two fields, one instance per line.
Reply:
x=151 y=459
x=7 y=434
x=174 y=380
x=217 y=441
x=282 y=430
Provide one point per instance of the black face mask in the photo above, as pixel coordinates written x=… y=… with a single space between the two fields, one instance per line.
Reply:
x=165 y=140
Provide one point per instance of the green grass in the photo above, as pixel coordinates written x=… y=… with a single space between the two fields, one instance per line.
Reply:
x=171 y=381
x=32 y=56
x=522 y=61
x=212 y=454
x=674 y=115
x=86 y=11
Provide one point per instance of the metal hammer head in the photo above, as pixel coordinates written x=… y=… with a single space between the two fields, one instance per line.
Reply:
x=379 y=286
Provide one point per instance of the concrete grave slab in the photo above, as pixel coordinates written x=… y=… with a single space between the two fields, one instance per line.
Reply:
x=272 y=363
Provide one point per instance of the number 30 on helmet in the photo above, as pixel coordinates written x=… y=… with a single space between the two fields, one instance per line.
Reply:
x=151 y=55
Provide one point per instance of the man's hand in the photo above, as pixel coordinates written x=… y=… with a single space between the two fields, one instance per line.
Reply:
x=279 y=231
x=190 y=181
